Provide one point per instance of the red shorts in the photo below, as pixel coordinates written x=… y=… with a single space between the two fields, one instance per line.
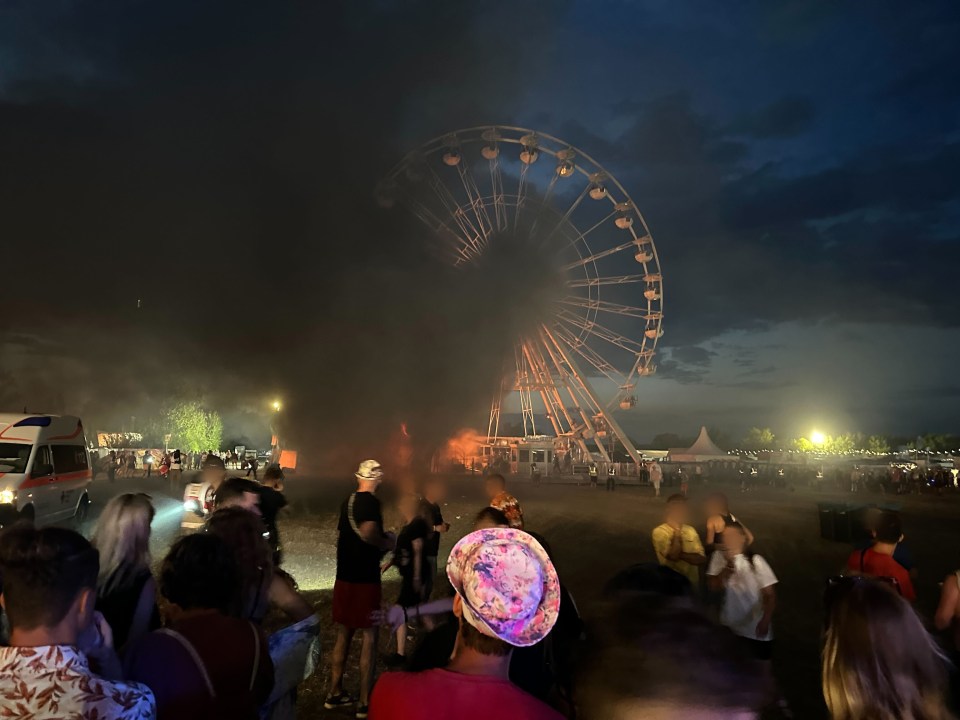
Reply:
x=354 y=603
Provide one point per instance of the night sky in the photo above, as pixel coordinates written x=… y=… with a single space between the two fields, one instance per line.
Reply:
x=215 y=162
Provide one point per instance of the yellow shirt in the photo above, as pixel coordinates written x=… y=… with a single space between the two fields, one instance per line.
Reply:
x=689 y=543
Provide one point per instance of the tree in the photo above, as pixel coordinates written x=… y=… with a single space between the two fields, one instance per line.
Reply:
x=720 y=438
x=841 y=444
x=665 y=441
x=878 y=444
x=194 y=428
x=802 y=444
x=759 y=439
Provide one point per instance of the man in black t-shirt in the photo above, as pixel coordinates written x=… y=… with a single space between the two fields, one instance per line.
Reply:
x=433 y=494
x=361 y=543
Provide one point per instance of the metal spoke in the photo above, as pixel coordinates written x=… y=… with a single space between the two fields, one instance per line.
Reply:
x=611 y=280
x=476 y=200
x=590 y=355
x=570 y=210
x=521 y=194
x=496 y=183
x=598 y=330
x=601 y=254
x=453 y=207
x=607 y=307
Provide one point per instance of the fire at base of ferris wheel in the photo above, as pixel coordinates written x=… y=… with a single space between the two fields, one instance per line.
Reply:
x=583 y=356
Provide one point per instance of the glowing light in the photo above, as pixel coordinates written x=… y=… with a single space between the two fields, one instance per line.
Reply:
x=817 y=437
x=8 y=497
x=276 y=406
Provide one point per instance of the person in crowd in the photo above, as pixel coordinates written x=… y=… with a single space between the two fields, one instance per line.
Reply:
x=131 y=464
x=203 y=492
x=901 y=554
x=656 y=477
x=654 y=656
x=252 y=466
x=749 y=590
x=272 y=501
x=410 y=559
x=361 y=542
x=878 y=560
x=749 y=598
x=676 y=543
x=718 y=517
x=126 y=591
x=56 y=636
x=507 y=596
x=611 y=477
x=496 y=487
x=147 y=463
x=176 y=471
x=433 y=494
x=490 y=517
x=546 y=668
x=238 y=492
x=684 y=480
x=594 y=473
x=262 y=585
x=111 y=465
x=878 y=661
x=947 y=618
x=205 y=664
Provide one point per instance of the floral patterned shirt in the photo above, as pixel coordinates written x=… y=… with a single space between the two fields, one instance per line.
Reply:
x=54 y=681
x=509 y=506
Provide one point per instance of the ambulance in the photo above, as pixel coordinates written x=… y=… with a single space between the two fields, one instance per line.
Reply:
x=45 y=470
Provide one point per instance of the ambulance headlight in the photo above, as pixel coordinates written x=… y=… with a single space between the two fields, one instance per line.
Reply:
x=191 y=505
x=8 y=497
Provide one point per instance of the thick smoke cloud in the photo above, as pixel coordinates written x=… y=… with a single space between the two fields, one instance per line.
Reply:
x=189 y=195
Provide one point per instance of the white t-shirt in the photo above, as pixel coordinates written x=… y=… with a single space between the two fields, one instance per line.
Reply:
x=742 y=603
x=656 y=474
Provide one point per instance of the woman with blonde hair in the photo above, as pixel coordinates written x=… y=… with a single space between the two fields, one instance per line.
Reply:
x=126 y=591
x=879 y=662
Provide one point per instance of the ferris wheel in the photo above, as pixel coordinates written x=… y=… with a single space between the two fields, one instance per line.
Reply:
x=481 y=187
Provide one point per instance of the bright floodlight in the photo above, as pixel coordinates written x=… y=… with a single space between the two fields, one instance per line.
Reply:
x=276 y=405
x=817 y=438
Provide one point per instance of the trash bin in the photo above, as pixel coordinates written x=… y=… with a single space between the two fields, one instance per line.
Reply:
x=826 y=521
x=843 y=524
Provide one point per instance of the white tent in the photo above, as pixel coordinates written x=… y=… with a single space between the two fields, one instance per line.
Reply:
x=703 y=450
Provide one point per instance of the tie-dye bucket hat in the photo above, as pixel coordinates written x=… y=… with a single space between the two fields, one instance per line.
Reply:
x=507 y=584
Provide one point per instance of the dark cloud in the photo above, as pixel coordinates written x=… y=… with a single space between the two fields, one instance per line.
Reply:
x=784 y=118
x=692 y=355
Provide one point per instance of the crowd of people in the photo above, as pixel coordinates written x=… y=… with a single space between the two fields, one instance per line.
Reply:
x=692 y=636
x=91 y=630
x=84 y=635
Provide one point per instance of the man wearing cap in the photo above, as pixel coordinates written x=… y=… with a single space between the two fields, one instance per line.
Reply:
x=361 y=542
x=507 y=596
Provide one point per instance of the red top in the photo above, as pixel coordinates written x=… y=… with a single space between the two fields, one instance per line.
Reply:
x=881 y=565
x=445 y=695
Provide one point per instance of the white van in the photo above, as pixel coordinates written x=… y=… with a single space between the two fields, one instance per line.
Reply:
x=45 y=471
